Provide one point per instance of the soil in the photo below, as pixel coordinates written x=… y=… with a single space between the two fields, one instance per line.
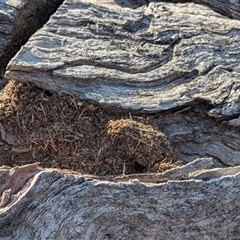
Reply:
x=58 y=130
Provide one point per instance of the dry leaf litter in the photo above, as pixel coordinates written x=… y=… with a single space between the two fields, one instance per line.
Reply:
x=61 y=131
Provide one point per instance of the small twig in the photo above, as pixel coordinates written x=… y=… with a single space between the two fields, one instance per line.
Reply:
x=81 y=114
x=43 y=109
x=124 y=169
x=18 y=121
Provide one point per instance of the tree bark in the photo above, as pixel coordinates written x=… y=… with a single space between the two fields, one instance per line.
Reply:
x=153 y=58
x=229 y=8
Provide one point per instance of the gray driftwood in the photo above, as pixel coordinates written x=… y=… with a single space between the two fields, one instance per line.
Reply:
x=178 y=59
x=198 y=136
x=46 y=204
x=152 y=58
x=19 y=19
x=230 y=8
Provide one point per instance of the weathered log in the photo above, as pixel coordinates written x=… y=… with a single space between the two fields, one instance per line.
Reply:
x=53 y=205
x=229 y=8
x=18 y=21
x=152 y=58
x=180 y=58
x=197 y=136
x=159 y=57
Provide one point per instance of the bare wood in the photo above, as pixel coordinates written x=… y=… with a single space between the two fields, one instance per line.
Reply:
x=179 y=59
x=152 y=58
x=229 y=8
x=56 y=206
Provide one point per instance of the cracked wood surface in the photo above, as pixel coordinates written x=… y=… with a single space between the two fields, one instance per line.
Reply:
x=161 y=56
x=195 y=135
x=181 y=58
x=53 y=205
x=230 y=8
x=152 y=58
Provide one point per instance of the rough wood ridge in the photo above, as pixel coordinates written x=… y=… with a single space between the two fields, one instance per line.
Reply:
x=155 y=57
x=53 y=205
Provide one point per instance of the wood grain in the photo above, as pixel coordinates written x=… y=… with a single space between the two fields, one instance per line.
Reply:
x=53 y=205
x=153 y=58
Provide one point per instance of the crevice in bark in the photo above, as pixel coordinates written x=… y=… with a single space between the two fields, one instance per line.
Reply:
x=27 y=21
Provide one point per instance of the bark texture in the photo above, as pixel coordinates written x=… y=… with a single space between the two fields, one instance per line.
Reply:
x=229 y=8
x=54 y=205
x=195 y=135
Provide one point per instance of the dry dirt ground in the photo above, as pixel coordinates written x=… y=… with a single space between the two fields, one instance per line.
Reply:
x=61 y=131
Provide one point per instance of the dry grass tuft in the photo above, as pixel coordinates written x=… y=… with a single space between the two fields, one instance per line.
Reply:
x=138 y=146
x=59 y=130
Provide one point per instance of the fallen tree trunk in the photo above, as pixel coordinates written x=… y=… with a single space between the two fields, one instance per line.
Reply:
x=49 y=204
x=154 y=58
x=179 y=60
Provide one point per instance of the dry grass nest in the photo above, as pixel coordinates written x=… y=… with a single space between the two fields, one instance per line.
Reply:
x=59 y=130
